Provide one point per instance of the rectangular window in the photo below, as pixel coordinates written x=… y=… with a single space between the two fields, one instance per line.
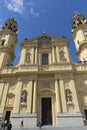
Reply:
x=45 y=59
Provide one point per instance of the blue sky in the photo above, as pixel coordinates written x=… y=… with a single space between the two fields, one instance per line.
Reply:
x=37 y=16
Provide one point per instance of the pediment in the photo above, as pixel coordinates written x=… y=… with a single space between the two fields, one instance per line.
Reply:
x=45 y=39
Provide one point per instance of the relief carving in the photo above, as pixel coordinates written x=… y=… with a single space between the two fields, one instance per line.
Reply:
x=45 y=86
x=10 y=100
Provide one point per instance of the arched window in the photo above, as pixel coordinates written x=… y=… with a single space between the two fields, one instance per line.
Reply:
x=45 y=59
x=24 y=97
x=68 y=95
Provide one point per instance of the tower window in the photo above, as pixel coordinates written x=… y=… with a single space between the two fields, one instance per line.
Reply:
x=85 y=32
x=45 y=59
x=3 y=36
x=3 y=41
x=78 y=41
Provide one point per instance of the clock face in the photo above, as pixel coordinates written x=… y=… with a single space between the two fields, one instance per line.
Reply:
x=44 y=41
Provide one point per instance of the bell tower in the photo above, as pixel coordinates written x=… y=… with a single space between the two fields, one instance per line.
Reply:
x=79 y=32
x=8 y=40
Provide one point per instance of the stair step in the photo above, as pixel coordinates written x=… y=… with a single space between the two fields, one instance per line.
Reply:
x=53 y=128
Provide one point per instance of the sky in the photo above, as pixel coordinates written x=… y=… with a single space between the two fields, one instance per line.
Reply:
x=37 y=16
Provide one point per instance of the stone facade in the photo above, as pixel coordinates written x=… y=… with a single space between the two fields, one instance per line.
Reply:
x=46 y=84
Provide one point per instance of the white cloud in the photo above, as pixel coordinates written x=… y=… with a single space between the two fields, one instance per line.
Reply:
x=20 y=7
x=15 y=5
x=34 y=13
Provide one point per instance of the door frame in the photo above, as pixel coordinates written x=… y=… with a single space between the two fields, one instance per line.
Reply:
x=4 y=114
x=45 y=101
x=52 y=96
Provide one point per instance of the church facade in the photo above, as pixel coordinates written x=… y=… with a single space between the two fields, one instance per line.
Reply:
x=46 y=84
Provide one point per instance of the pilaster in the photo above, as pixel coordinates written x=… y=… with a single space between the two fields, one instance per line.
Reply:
x=5 y=91
x=23 y=56
x=34 y=96
x=17 y=97
x=1 y=91
x=57 y=54
x=58 y=100
x=53 y=112
x=32 y=59
x=29 y=96
x=53 y=55
x=63 y=96
x=50 y=58
x=36 y=55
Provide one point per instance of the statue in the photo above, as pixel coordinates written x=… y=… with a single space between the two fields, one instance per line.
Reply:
x=23 y=97
x=68 y=95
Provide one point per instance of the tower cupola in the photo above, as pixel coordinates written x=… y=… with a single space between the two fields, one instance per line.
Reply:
x=77 y=20
x=11 y=24
x=8 y=40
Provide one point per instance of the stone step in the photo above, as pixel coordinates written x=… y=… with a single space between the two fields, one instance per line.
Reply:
x=53 y=128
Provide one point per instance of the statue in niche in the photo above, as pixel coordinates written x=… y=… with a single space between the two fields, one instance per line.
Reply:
x=27 y=58
x=62 y=55
x=24 y=97
x=68 y=95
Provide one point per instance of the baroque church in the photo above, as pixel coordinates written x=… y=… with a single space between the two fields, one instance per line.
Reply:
x=46 y=84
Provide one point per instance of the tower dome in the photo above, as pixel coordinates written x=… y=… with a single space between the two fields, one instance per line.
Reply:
x=77 y=20
x=11 y=24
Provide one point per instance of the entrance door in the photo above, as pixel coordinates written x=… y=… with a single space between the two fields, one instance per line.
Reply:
x=46 y=111
x=7 y=116
x=85 y=114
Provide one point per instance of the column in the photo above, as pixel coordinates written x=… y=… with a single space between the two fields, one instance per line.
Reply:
x=57 y=54
x=58 y=100
x=50 y=58
x=17 y=97
x=53 y=111
x=36 y=55
x=32 y=59
x=63 y=96
x=29 y=96
x=53 y=56
x=34 y=97
x=75 y=96
x=4 y=96
x=22 y=59
x=1 y=90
